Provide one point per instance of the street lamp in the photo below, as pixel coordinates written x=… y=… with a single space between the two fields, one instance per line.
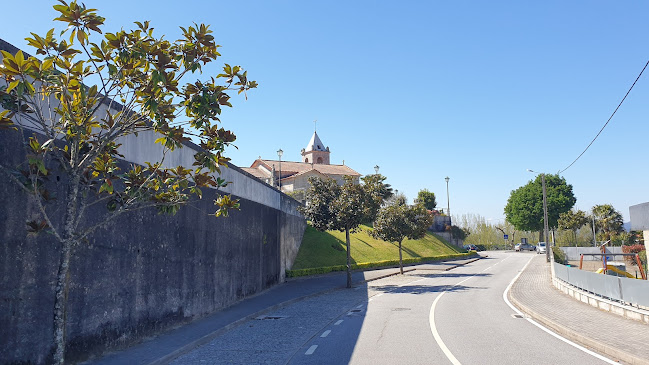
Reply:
x=448 y=202
x=376 y=169
x=279 y=154
x=545 y=216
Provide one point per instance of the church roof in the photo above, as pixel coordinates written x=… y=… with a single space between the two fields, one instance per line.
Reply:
x=300 y=167
x=255 y=172
x=315 y=144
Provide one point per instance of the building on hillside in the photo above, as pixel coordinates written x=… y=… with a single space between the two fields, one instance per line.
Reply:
x=293 y=177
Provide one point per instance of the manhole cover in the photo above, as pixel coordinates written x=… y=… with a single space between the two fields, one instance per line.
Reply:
x=261 y=318
x=400 y=309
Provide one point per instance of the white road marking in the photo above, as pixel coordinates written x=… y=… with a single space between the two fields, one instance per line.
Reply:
x=433 y=329
x=359 y=306
x=605 y=359
x=311 y=350
x=325 y=333
x=338 y=322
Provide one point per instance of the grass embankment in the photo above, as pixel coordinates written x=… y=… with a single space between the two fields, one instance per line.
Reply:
x=323 y=252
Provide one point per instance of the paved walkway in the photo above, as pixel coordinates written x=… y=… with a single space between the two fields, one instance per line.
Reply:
x=165 y=347
x=616 y=337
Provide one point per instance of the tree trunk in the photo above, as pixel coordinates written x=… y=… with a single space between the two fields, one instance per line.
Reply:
x=60 y=302
x=63 y=276
x=541 y=236
x=349 y=260
x=400 y=259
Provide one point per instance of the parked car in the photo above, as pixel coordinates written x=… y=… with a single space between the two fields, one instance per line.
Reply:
x=524 y=247
x=471 y=248
x=540 y=248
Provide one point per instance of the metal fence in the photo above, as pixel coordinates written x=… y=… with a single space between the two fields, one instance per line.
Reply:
x=574 y=253
x=621 y=289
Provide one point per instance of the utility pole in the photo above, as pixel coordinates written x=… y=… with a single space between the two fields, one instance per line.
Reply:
x=545 y=220
x=594 y=236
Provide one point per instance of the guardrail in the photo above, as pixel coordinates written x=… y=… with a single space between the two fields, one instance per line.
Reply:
x=625 y=290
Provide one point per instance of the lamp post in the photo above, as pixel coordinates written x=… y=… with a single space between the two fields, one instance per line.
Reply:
x=545 y=216
x=279 y=154
x=448 y=202
x=376 y=169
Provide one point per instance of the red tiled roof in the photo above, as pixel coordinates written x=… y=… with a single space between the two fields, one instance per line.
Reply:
x=300 y=167
x=255 y=172
x=313 y=171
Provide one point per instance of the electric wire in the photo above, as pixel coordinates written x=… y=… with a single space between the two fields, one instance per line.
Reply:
x=609 y=119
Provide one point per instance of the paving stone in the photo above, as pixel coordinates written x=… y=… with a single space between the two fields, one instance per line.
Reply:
x=593 y=327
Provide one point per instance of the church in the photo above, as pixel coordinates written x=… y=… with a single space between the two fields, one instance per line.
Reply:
x=293 y=177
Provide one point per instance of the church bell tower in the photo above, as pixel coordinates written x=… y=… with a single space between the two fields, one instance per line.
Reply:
x=315 y=152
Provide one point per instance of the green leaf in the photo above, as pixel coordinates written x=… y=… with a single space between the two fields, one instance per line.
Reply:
x=12 y=86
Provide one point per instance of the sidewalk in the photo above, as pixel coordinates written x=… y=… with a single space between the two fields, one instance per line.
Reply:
x=616 y=337
x=166 y=346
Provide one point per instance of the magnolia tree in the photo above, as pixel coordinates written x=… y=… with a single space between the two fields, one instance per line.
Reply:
x=396 y=222
x=330 y=206
x=377 y=193
x=76 y=129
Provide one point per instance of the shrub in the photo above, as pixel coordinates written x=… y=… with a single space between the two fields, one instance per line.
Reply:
x=637 y=248
x=559 y=256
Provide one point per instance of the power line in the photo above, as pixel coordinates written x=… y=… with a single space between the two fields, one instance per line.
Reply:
x=609 y=119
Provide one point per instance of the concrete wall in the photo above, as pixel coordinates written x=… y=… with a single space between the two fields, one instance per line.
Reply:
x=143 y=273
x=639 y=217
x=454 y=241
x=440 y=222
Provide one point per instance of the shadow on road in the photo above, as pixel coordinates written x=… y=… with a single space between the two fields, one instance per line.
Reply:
x=450 y=275
x=422 y=289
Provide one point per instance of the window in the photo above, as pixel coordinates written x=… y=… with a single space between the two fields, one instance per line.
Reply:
x=319 y=159
x=306 y=160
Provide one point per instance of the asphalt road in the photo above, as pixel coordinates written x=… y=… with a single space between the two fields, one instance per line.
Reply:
x=428 y=316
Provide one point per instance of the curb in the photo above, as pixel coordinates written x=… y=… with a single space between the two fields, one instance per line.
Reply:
x=577 y=337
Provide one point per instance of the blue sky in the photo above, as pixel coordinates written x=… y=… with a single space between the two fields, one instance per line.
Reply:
x=477 y=91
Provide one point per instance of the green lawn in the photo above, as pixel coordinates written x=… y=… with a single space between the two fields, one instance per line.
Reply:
x=321 y=249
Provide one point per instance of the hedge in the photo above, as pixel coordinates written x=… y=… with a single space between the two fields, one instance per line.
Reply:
x=377 y=264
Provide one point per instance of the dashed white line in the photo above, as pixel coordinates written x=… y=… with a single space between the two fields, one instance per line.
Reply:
x=605 y=359
x=338 y=322
x=325 y=333
x=359 y=306
x=311 y=350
